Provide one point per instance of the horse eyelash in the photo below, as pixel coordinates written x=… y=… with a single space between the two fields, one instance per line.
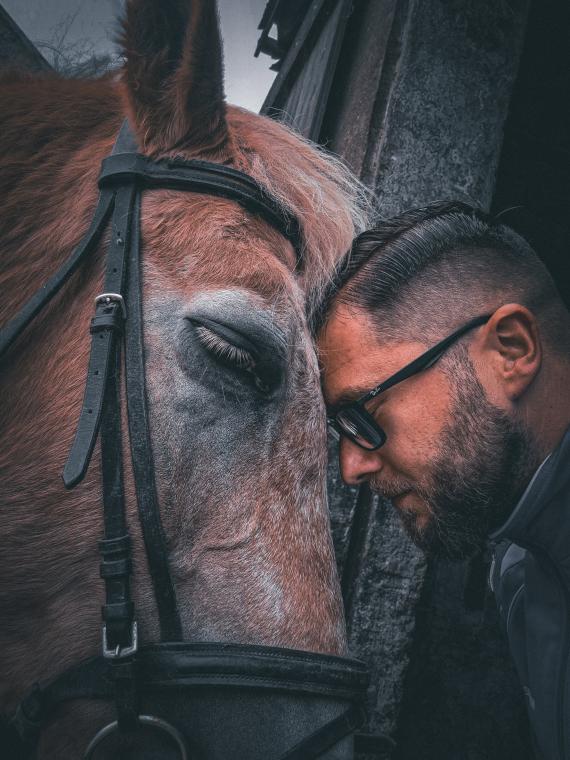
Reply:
x=224 y=350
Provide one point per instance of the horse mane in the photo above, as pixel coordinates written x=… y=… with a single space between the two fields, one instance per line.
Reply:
x=316 y=186
x=55 y=132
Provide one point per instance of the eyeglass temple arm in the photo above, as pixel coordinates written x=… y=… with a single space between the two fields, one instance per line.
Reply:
x=425 y=360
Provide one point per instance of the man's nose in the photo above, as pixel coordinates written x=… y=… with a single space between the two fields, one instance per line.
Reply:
x=356 y=464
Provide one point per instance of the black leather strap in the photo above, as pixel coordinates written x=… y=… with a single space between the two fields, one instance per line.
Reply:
x=105 y=328
x=115 y=547
x=102 y=345
x=89 y=679
x=102 y=408
x=181 y=667
x=141 y=451
x=199 y=664
x=119 y=631
x=327 y=736
x=49 y=289
x=202 y=177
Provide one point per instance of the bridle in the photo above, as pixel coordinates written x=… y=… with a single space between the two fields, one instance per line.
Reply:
x=149 y=683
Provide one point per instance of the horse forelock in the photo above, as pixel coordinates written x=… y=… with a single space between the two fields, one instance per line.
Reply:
x=321 y=192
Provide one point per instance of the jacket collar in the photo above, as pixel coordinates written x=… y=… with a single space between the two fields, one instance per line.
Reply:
x=541 y=519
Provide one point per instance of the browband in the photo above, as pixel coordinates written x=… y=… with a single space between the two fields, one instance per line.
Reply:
x=201 y=177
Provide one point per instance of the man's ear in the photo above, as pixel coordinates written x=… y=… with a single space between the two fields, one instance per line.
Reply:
x=174 y=74
x=513 y=337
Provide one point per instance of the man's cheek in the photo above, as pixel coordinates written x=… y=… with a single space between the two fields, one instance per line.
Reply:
x=411 y=450
x=413 y=419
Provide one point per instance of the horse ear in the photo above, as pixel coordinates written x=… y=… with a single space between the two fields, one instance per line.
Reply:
x=174 y=73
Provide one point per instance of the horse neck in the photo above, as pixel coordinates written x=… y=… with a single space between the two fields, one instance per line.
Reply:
x=54 y=135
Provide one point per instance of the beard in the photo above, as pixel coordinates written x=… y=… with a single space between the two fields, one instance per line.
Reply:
x=483 y=463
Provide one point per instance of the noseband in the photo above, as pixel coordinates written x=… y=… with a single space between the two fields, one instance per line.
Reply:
x=172 y=689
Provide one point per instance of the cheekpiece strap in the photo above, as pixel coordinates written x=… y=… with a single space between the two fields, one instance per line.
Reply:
x=326 y=737
x=106 y=326
x=119 y=310
x=141 y=450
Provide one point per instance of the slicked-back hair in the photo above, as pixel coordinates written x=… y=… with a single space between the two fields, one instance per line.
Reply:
x=424 y=272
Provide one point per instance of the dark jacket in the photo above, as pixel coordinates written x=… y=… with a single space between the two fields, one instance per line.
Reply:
x=530 y=576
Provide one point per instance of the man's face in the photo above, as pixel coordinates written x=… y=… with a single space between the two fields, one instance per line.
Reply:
x=453 y=464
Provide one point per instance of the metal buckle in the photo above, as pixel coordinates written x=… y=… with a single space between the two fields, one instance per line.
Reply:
x=145 y=720
x=118 y=652
x=107 y=298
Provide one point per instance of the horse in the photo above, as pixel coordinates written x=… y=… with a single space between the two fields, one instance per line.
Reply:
x=239 y=452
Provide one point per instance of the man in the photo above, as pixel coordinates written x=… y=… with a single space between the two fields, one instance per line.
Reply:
x=446 y=372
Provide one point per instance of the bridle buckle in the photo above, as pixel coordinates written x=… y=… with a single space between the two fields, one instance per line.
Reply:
x=107 y=298
x=118 y=652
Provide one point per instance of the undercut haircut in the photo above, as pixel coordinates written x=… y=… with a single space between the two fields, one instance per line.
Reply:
x=425 y=272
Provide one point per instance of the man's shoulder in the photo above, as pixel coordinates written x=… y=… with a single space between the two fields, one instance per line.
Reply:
x=507 y=576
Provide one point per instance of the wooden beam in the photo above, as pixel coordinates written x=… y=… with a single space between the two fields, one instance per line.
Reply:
x=16 y=50
x=300 y=92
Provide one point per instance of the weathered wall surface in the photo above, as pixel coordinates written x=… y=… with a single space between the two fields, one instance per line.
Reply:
x=443 y=120
x=381 y=573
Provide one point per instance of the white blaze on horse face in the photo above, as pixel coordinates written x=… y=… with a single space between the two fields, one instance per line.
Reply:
x=241 y=458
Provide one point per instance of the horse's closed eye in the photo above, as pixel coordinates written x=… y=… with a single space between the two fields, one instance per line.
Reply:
x=224 y=350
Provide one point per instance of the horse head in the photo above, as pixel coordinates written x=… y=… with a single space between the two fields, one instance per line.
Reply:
x=236 y=418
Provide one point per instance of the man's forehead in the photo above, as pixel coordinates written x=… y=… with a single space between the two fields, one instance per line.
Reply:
x=348 y=331
x=353 y=356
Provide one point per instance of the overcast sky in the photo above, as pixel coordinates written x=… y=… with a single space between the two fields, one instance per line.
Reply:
x=86 y=23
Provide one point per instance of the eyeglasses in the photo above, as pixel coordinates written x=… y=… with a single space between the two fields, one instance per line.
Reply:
x=353 y=421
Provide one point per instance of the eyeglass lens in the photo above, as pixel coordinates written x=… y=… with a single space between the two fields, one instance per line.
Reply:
x=360 y=427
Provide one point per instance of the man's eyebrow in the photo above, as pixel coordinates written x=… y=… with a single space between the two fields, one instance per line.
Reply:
x=350 y=394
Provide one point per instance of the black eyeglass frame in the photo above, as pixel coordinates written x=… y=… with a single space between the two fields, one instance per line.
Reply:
x=362 y=419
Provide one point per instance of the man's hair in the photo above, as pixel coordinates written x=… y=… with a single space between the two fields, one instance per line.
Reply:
x=428 y=270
